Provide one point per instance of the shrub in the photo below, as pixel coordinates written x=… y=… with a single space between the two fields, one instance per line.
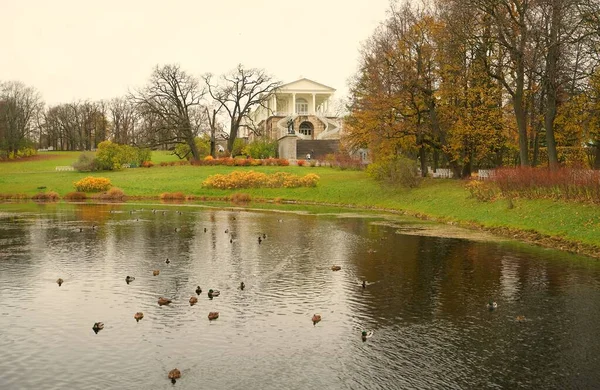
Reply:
x=301 y=163
x=397 y=170
x=535 y=183
x=251 y=179
x=238 y=147
x=483 y=191
x=183 y=151
x=112 y=194
x=13 y=196
x=49 y=196
x=86 y=162
x=92 y=184
x=111 y=156
x=172 y=196
x=147 y=164
x=76 y=196
x=343 y=161
x=262 y=148
x=239 y=197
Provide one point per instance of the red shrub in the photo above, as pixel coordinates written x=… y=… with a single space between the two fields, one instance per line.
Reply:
x=563 y=183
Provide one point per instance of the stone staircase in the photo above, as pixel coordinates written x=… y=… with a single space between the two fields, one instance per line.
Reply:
x=316 y=148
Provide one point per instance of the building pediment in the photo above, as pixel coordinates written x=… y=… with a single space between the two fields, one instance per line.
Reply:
x=305 y=85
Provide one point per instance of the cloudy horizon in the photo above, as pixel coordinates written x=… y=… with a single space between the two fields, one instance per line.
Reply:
x=70 y=50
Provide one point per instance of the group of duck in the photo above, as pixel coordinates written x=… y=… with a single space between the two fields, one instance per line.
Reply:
x=175 y=373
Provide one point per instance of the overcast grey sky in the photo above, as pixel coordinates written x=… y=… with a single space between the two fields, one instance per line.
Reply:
x=79 y=49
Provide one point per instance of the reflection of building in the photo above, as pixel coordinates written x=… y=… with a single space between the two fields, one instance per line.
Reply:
x=299 y=117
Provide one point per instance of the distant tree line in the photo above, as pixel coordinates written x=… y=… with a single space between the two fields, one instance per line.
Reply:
x=481 y=83
x=173 y=108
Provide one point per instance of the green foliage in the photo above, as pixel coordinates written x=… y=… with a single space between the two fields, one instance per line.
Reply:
x=86 y=162
x=111 y=156
x=183 y=150
x=262 y=148
x=238 y=147
x=397 y=170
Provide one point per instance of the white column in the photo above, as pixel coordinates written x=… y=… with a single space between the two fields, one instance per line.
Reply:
x=314 y=104
x=327 y=104
x=274 y=108
x=293 y=103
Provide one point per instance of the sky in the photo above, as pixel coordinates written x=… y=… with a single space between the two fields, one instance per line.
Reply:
x=78 y=49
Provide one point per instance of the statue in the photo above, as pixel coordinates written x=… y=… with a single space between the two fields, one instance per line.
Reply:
x=290 y=125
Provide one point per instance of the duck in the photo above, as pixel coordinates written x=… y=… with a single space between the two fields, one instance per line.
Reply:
x=242 y=286
x=193 y=301
x=204 y=230
x=129 y=279
x=174 y=374
x=138 y=316
x=264 y=236
x=366 y=334
x=259 y=239
x=520 y=318
x=335 y=268
x=198 y=290
x=156 y=272
x=316 y=318
x=163 y=301
x=213 y=315
x=213 y=293
x=98 y=326
x=167 y=261
x=492 y=305
x=231 y=240
x=226 y=231
x=364 y=284
x=60 y=281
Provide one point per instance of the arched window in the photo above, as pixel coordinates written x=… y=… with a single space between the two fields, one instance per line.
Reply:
x=301 y=106
x=306 y=128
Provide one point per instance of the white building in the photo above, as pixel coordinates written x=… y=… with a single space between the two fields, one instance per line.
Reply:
x=298 y=115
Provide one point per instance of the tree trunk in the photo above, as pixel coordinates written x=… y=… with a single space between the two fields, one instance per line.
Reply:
x=551 y=85
x=520 y=115
x=597 y=157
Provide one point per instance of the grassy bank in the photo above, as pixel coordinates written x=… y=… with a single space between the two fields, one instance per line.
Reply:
x=571 y=226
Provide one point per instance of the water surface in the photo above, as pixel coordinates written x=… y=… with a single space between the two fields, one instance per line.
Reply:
x=425 y=302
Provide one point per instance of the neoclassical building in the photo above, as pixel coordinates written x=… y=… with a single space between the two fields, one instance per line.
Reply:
x=299 y=117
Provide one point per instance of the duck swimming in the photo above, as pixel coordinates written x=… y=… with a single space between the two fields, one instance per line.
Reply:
x=242 y=286
x=335 y=268
x=316 y=318
x=167 y=261
x=213 y=315
x=193 y=301
x=213 y=293
x=163 y=301
x=520 y=318
x=365 y=335
x=60 y=281
x=138 y=316
x=174 y=374
x=98 y=326
x=198 y=290
x=129 y=279
x=364 y=285
x=156 y=272
x=492 y=305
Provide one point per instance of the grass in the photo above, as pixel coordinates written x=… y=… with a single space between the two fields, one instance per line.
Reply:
x=446 y=200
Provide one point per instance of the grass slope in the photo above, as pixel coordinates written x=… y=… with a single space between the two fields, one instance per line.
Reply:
x=442 y=199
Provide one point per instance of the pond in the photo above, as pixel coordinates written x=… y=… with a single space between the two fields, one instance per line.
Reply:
x=425 y=302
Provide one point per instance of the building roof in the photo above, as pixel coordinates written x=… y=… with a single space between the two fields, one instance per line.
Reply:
x=305 y=84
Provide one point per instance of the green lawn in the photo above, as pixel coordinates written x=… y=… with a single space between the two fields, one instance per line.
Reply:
x=443 y=199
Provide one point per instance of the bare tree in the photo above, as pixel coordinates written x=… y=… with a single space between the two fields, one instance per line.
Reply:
x=171 y=95
x=123 y=117
x=238 y=92
x=19 y=106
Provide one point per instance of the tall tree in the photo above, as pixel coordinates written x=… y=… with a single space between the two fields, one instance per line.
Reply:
x=171 y=95
x=238 y=92
x=19 y=106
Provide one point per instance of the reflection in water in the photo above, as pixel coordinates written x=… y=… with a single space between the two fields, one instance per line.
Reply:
x=418 y=321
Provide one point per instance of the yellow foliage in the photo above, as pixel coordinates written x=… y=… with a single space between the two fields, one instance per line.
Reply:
x=251 y=179
x=92 y=184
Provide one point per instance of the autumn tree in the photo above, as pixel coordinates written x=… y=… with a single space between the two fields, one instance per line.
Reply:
x=170 y=99
x=238 y=93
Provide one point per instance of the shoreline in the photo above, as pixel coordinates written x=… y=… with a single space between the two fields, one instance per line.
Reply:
x=528 y=236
